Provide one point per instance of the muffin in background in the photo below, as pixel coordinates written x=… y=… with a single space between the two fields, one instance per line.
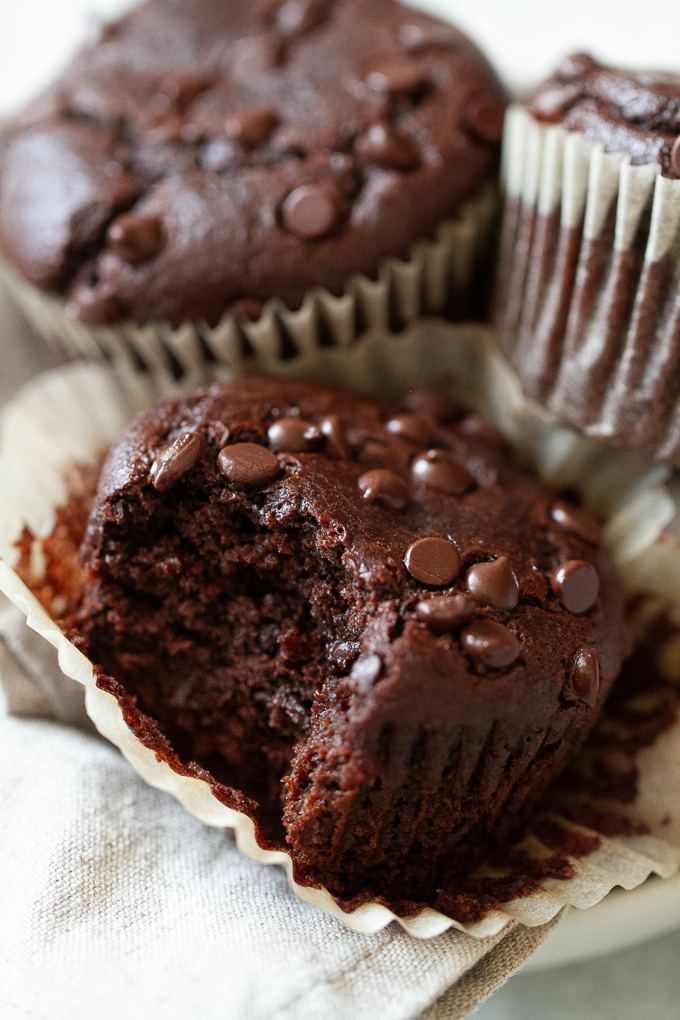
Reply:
x=587 y=284
x=202 y=158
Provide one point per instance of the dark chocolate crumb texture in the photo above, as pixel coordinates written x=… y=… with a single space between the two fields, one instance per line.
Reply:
x=368 y=624
x=637 y=113
x=203 y=153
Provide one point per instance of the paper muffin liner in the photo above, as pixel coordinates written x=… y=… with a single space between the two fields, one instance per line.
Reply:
x=437 y=279
x=588 y=290
x=66 y=419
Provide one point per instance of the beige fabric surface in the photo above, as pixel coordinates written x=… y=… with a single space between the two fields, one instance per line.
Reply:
x=116 y=902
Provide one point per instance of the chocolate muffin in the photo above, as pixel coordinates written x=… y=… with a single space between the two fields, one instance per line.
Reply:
x=203 y=155
x=367 y=628
x=587 y=295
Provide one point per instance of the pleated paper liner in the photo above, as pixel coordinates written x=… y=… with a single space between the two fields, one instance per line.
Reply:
x=438 y=279
x=65 y=420
x=588 y=288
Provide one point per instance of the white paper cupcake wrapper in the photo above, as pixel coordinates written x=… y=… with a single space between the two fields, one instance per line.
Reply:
x=68 y=417
x=162 y=360
x=587 y=296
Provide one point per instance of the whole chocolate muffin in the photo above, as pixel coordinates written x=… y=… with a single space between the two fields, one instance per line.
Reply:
x=368 y=629
x=202 y=154
x=587 y=297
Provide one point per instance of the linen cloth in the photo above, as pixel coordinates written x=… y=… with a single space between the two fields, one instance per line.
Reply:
x=116 y=902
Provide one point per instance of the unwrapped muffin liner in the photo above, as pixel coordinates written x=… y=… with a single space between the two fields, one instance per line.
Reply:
x=437 y=279
x=65 y=420
x=588 y=291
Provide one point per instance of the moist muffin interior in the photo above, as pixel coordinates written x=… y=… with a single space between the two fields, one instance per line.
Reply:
x=283 y=631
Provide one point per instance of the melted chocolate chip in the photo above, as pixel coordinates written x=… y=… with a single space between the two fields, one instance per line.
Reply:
x=366 y=671
x=584 y=683
x=251 y=127
x=433 y=561
x=298 y=16
x=576 y=584
x=445 y=613
x=177 y=459
x=427 y=402
x=675 y=156
x=292 y=435
x=438 y=470
x=383 y=486
x=493 y=584
x=481 y=429
x=576 y=65
x=384 y=145
x=490 y=645
x=417 y=428
x=182 y=89
x=92 y=307
x=334 y=434
x=165 y=130
x=396 y=75
x=483 y=117
x=420 y=37
x=248 y=464
x=311 y=210
x=577 y=523
x=135 y=238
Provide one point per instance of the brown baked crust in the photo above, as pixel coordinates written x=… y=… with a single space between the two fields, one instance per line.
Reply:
x=635 y=112
x=275 y=633
x=202 y=117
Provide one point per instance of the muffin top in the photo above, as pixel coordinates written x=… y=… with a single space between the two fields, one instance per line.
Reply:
x=199 y=154
x=472 y=591
x=637 y=113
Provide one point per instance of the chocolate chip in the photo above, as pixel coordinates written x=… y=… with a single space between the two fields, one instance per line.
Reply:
x=336 y=440
x=433 y=561
x=483 y=117
x=248 y=464
x=366 y=671
x=395 y=75
x=584 y=682
x=479 y=428
x=384 y=145
x=675 y=156
x=419 y=37
x=182 y=89
x=577 y=523
x=576 y=65
x=135 y=238
x=383 y=486
x=438 y=470
x=311 y=210
x=298 y=16
x=251 y=127
x=417 y=428
x=490 y=645
x=552 y=102
x=92 y=307
x=493 y=584
x=165 y=130
x=427 y=402
x=445 y=613
x=175 y=460
x=576 y=584
x=293 y=435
